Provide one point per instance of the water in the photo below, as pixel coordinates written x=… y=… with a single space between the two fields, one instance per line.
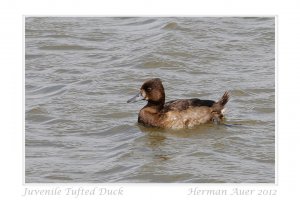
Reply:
x=79 y=73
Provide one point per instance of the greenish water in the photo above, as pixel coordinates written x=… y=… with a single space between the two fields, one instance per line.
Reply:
x=79 y=73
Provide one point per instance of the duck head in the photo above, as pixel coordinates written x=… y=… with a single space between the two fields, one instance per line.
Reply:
x=152 y=91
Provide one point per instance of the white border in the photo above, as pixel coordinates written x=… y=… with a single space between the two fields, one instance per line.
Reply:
x=287 y=81
x=208 y=186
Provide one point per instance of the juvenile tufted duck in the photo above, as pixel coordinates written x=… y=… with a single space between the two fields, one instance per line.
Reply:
x=176 y=114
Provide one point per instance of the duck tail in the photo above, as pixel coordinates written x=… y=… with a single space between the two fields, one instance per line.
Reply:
x=219 y=105
x=224 y=99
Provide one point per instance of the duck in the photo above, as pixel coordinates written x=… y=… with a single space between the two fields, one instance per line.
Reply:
x=176 y=114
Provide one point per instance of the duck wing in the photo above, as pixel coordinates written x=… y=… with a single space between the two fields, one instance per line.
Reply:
x=183 y=104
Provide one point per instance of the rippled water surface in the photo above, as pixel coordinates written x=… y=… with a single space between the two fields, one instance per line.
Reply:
x=79 y=73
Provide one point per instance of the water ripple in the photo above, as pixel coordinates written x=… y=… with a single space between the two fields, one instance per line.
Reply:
x=79 y=73
x=66 y=48
x=47 y=91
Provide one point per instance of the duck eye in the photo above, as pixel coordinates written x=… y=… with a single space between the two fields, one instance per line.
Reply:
x=149 y=89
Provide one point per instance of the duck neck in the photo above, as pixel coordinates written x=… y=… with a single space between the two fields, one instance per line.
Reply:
x=157 y=105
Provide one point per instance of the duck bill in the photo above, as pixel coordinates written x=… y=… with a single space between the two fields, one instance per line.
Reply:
x=136 y=98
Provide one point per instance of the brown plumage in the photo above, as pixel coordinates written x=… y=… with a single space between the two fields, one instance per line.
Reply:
x=182 y=113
